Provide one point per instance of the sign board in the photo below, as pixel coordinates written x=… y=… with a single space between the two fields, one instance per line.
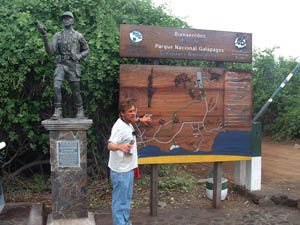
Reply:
x=183 y=43
x=199 y=115
x=68 y=153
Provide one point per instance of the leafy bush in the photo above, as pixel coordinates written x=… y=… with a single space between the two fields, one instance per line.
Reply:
x=26 y=76
x=26 y=72
x=269 y=73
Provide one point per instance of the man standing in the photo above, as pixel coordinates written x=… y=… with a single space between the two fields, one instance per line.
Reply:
x=123 y=161
x=71 y=47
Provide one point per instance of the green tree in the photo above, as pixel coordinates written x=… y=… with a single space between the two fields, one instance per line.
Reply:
x=279 y=121
x=26 y=72
x=26 y=76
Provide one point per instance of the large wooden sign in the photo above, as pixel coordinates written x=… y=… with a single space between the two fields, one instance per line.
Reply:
x=199 y=115
x=180 y=43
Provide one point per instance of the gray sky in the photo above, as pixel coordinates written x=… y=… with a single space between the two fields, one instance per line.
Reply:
x=272 y=23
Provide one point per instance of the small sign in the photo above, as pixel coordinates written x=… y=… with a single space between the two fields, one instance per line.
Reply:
x=68 y=153
x=184 y=43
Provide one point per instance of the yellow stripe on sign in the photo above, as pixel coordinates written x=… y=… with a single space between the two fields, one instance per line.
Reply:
x=191 y=159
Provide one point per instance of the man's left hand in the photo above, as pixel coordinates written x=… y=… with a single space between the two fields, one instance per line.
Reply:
x=146 y=120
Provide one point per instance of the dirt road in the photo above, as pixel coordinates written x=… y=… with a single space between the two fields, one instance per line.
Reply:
x=281 y=167
x=280 y=162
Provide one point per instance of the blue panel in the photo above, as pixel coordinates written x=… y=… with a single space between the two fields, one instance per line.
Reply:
x=235 y=143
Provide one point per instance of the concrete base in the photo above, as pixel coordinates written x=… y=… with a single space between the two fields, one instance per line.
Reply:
x=240 y=173
x=253 y=174
x=90 y=220
x=248 y=174
x=36 y=215
x=28 y=213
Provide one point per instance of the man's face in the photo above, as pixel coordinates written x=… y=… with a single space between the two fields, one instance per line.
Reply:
x=129 y=114
x=67 y=21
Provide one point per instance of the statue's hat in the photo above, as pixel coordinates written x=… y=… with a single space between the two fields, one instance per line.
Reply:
x=70 y=14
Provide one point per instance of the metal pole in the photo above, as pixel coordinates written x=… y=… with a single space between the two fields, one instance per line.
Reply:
x=287 y=79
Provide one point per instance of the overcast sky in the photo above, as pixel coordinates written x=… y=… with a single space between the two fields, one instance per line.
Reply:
x=272 y=23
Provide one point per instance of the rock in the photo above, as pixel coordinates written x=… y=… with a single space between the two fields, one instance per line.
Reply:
x=266 y=201
x=291 y=203
x=298 y=204
x=296 y=146
x=162 y=204
x=201 y=181
x=279 y=199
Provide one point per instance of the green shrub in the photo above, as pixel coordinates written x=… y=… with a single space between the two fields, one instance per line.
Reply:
x=26 y=72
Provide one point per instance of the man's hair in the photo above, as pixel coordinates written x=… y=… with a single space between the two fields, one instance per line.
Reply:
x=125 y=104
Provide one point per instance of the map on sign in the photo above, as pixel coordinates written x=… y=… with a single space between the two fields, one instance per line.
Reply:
x=197 y=127
x=194 y=110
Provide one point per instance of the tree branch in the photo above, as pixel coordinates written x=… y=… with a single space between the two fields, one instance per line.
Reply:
x=25 y=167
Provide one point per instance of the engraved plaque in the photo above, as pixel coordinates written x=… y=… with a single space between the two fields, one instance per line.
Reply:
x=68 y=153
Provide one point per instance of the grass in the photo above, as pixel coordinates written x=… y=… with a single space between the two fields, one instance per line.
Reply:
x=176 y=184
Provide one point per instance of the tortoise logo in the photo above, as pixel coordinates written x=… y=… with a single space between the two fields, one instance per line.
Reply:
x=240 y=42
x=135 y=36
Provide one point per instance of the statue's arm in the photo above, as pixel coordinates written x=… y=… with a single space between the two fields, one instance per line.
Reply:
x=85 y=50
x=43 y=30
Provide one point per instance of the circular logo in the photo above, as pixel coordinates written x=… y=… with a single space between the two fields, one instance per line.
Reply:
x=240 y=42
x=136 y=36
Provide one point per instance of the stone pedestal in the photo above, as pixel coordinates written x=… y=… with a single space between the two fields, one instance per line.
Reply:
x=68 y=159
x=90 y=220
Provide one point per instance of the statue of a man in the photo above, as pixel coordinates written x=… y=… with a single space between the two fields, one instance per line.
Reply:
x=71 y=47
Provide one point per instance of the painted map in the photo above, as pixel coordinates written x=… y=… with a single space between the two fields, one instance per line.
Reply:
x=199 y=114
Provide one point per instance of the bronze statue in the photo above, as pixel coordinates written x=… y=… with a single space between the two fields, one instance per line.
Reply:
x=71 y=47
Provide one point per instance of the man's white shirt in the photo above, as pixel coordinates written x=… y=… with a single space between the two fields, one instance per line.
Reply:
x=119 y=161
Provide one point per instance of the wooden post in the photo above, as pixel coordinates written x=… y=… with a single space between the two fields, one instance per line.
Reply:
x=217 y=185
x=217 y=179
x=153 y=190
x=154 y=177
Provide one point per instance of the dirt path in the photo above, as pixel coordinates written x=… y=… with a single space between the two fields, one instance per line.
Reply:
x=280 y=168
x=280 y=163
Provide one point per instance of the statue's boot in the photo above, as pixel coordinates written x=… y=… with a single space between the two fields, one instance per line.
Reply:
x=80 y=113
x=57 y=114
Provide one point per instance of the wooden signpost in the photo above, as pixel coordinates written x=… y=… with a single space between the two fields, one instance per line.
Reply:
x=199 y=114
